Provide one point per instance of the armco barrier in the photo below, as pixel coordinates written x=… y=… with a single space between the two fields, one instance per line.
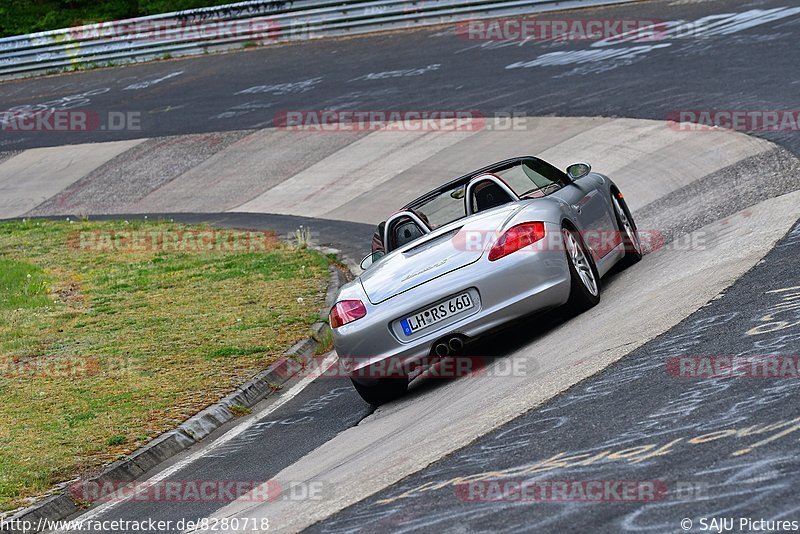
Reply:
x=211 y=29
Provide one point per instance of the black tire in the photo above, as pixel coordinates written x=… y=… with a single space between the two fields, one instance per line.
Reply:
x=581 y=295
x=628 y=232
x=382 y=390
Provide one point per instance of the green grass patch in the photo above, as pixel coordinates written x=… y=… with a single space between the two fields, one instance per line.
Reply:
x=22 y=285
x=105 y=347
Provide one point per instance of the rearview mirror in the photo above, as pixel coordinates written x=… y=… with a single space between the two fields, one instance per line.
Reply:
x=578 y=170
x=369 y=259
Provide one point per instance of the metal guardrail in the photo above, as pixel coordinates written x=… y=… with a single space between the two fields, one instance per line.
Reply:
x=242 y=25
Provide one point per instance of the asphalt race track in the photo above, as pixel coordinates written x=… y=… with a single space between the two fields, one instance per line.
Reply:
x=718 y=447
x=599 y=399
x=747 y=65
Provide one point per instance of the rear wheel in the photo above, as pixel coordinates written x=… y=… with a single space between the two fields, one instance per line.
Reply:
x=627 y=230
x=382 y=390
x=585 y=283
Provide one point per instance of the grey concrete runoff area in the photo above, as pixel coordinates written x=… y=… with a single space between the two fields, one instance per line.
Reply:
x=593 y=397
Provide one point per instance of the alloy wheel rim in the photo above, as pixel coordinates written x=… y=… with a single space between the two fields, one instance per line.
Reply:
x=580 y=262
x=627 y=226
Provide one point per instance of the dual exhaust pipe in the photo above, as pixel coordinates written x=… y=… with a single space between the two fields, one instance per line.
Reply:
x=448 y=346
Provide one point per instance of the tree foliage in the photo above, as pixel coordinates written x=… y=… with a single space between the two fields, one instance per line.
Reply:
x=28 y=16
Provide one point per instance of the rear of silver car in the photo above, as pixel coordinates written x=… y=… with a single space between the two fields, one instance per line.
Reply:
x=444 y=287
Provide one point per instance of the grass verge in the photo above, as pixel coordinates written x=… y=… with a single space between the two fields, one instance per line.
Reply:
x=113 y=332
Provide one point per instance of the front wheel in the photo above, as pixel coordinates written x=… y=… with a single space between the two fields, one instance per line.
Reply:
x=628 y=233
x=584 y=280
x=382 y=390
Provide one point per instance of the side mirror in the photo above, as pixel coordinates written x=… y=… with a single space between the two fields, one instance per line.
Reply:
x=369 y=259
x=578 y=170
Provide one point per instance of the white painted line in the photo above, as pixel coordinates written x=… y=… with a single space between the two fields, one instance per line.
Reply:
x=148 y=83
x=225 y=438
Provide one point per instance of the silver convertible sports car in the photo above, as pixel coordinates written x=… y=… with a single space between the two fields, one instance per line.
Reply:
x=499 y=243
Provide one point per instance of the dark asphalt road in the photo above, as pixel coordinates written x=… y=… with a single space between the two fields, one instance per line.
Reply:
x=635 y=403
x=744 y=61
x=721 y=447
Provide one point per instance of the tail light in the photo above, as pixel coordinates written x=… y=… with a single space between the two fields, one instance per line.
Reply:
x=346 y=311
x=515 y=238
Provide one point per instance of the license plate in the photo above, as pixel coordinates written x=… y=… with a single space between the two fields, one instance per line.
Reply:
x=436 y=314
